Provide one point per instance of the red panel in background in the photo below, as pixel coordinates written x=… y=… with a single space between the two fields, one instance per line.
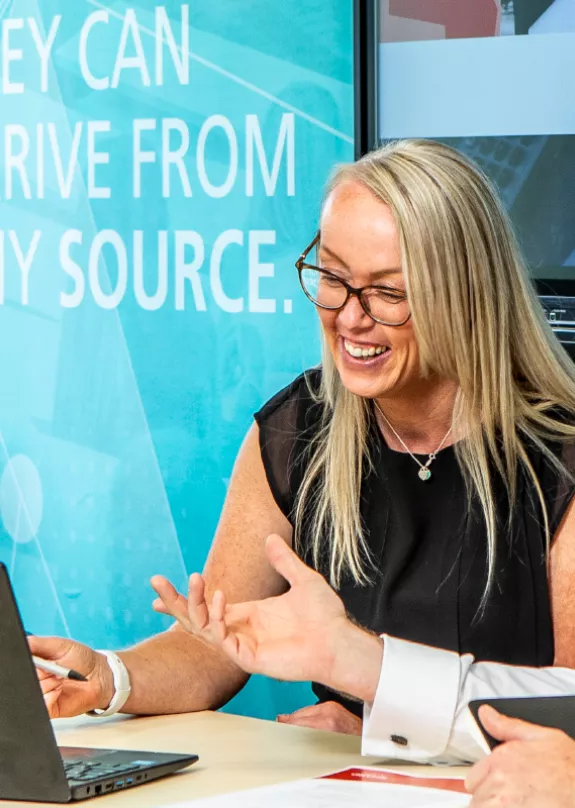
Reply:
x=461 y=18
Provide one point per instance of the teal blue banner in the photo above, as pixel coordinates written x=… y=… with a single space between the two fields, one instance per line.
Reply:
x=161 y=169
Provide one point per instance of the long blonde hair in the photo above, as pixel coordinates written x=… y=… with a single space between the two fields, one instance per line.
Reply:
x=476 y=319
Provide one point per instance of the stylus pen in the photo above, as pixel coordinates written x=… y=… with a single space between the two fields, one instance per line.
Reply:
x=57 y=670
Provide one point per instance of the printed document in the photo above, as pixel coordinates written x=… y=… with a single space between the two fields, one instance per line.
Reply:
x=365 y=787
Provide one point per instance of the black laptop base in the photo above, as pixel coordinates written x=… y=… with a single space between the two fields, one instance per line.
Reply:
x=91 y=772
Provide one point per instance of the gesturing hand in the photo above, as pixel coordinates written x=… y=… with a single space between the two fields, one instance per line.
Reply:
x=292 y=636
x=534 y=768
x=300 y=636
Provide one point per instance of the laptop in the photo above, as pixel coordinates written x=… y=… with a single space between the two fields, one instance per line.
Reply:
x=33 y=767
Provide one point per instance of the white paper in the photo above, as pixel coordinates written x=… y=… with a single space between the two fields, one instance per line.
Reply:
x=333 y=794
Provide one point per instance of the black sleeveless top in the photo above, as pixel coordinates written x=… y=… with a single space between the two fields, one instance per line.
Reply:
x=429 y=543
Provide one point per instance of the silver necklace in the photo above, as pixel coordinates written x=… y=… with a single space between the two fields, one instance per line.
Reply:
x=424 y=472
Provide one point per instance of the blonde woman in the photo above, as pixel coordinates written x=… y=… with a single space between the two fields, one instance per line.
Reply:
x=424 y=470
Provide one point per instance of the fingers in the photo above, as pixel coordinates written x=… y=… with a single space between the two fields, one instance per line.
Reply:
x=221 y=628
x=504 y=728
x=222 y=633
x=51 y=702
x=489 y=795
x=169 y=601
x=310 y=722
x=197 y=607
x=217 y=621
x=50 y=683
x=43 y=674
x=330 y=716
x=213 y=623
x=285 y=561
x=477 y=775
x=52 y=690
x=190 y=612
x=208 y=622
x=158 y=606
x=303 y=713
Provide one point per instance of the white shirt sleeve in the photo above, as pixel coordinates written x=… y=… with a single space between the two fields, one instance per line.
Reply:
x=420 y=708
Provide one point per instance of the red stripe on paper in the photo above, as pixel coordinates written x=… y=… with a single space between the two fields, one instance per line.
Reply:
x=392 y=778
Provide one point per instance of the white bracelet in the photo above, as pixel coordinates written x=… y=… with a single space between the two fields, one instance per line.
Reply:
x=122 y=686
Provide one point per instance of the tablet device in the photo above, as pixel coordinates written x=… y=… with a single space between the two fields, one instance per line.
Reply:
x=556 y=712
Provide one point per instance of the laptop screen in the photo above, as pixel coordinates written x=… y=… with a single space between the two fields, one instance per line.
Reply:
x=31 y=765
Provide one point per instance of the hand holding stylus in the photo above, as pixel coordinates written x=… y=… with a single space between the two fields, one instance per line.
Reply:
x=58 y=670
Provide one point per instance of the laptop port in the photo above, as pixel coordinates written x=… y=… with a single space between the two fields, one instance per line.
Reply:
x=129 y=781
x=98 y=789
x=109 y=786
x=119 y=783
x=138 y=777
x=88 y=789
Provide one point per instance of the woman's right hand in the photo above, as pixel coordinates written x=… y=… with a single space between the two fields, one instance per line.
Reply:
x=65 y=697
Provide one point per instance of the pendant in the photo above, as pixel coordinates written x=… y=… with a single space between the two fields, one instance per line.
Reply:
x=424 y=473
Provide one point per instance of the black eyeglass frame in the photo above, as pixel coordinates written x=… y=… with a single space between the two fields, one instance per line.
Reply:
x=300 y=265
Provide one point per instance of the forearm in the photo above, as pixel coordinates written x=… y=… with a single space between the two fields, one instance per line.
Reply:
x=175 y=672
x=356 y=663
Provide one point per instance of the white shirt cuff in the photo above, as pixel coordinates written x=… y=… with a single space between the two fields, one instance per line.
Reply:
x=415 y=703
x=420 y=711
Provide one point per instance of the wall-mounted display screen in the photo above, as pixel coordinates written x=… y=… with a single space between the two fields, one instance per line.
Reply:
x=494 y=78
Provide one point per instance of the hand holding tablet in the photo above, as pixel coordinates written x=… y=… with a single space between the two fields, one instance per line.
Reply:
x=555 y=712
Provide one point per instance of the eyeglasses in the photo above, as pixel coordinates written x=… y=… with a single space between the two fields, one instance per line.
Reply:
x=383 y=304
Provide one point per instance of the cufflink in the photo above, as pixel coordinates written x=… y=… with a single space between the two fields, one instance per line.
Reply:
x=399 y=740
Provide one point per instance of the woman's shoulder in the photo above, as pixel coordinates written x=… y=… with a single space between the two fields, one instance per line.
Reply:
x=286 y=423
x=296 y=406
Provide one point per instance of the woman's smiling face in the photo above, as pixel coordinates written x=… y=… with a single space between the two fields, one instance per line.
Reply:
x=360 y=244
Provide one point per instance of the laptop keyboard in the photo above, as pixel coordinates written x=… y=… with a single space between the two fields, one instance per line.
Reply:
x=87 y=770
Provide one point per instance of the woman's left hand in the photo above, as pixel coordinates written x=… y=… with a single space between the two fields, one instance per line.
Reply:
x=330 y=716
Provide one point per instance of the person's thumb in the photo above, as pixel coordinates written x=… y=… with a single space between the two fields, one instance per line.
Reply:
x=51 y=648
x=285 y=561
x=503 y=728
